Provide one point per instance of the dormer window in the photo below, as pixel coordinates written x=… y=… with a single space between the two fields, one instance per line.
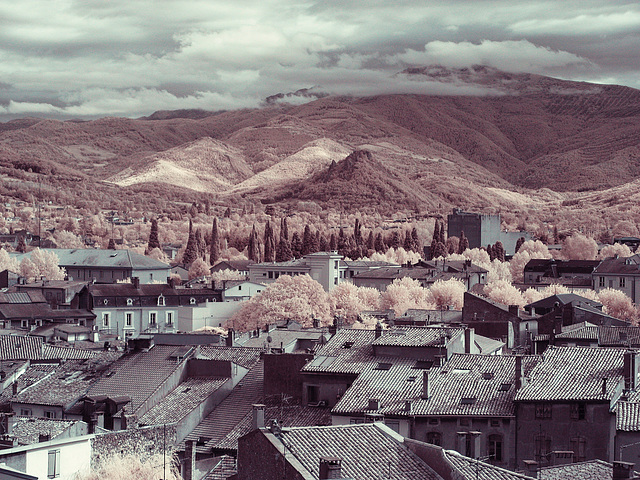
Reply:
x=161 y=301
x=192 y=301
x=129 y=302
x=105 y=301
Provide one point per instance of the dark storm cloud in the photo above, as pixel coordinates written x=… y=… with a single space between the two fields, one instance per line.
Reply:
x=88 y=58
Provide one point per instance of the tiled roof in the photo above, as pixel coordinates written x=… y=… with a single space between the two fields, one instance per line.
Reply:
x=619 y=336
x=27 y=430
x=472 y=468
x=582 y=332
x=137 y=374
x=574 y=373
x=21 y=297
x=488 y=345
x=20 y=311
x=54 y=352
x=418 y=336
x=288 y=415
x=368 y=263
x=591 y=470
x=282 y=336
x=17 y=347
x=368 y=451
x=65 y=384
x=243 y=356
x=182 y=400
x=223 y=469
x=226 y=416
x=348 y=351
x=619 y=266
x=430 y=316
x=72 y=257
x=99 y=290
x=628 y=416
x=33 y=374
x=478 y=385
x=298 y=263
x=388 y=273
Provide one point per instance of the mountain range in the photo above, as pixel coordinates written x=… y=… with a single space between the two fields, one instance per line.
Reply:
x=518 y=140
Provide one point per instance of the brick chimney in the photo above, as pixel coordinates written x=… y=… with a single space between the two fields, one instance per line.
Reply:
x=471 y=443
x=630 y=369
x=531 y=468
x=330 y=468
x=622 y=470
x=378 y=330
x=561 y=457
x=135 y=281
x=229 y=341
x=89 y=414
x=258 y=416
x=519 y=374
x=189 y=460
x=514 y=310
x=374 y=404
x=426 y=387
x=470 y=340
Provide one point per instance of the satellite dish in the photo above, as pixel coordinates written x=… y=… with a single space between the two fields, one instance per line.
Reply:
x=269 y=339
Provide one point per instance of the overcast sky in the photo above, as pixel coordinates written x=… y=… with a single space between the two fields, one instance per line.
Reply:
x=90 y=58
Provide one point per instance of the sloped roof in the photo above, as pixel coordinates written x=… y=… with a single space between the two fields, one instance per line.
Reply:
x=564 y=299
x=18 y=347
x=478 y=385
x=350 y=350
x=182 y=400
x=473 y=468
x=574 y=374
x=144 y=290
x=287 y=414
x=246 y=357
x=137 y=374
x=591 y=470
x=89 y=257
x=628 y=416
x=418 y=336
x=619 y=266
x=27 y=430
x=367 y=451
x=230 y=412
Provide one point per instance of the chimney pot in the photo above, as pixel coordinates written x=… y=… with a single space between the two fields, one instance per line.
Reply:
x=426 y=387
x=330 y=468
x=258 y=416
x=519 y=372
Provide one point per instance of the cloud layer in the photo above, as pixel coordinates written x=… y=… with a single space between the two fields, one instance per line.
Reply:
x=90 y=58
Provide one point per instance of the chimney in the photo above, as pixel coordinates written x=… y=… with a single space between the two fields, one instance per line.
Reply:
x=407 y=406
x=229 y=342
x=330 y=468
x=561 y=457
x=531 y=468
x=471 y=443
x=470 y=340
x=426 y=388
x=630 y=369
x=519 y=374
x=374 y=404
x=258 y=416
x=14 y=387
x=189 y=460
x=43 y=437
x=378 y=330
x=135 y=281
x=89 y=414
x=604 y=386
x=622 y=470
x=514 y=310
x=8 y=422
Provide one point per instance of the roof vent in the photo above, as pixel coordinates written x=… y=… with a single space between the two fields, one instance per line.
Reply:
x=487 y=375
x=468 y=400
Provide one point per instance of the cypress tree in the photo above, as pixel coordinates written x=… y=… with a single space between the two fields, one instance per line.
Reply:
x=519 y=243
x=112 y=244
x=22 y=245
x=307 y=241
x=253 y=249
x=440 y=250
x=491 y=252
x=442 y=234
x=333 y=243
x=154 y=241
x=370 y=241
x=214 y=250
x=436 y=231
x=269 y=243
x=296 y=245
x=379 y=244
x=415 y=240
x=408 y=243
x=464 y=242
x=394 y=240
x=191 y=250
x=323 y=245
x=357 y=232
x=498 y=251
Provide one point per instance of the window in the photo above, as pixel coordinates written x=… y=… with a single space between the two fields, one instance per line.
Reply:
x=192 y=301
x=161 y=302
x=433 y=421
x=24 y=323
x=128 y=319
x=578 y=446
x=105 y=319
x=434 y=438
x=623 y=282
x=53 y=470
x=169 y=319
x=578 y=411
x=355 y=421
x=601 y=282
x=49 y=414
x=543 y=410
x=25 y=412
x=495 y=422
x=129 y=302
x=464 y=422
x=494 y=448
x=153 y=317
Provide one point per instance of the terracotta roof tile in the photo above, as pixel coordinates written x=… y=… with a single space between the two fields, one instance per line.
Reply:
x=27 y=430
x=591 y=470
x=480 y=470
x=574 y=373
